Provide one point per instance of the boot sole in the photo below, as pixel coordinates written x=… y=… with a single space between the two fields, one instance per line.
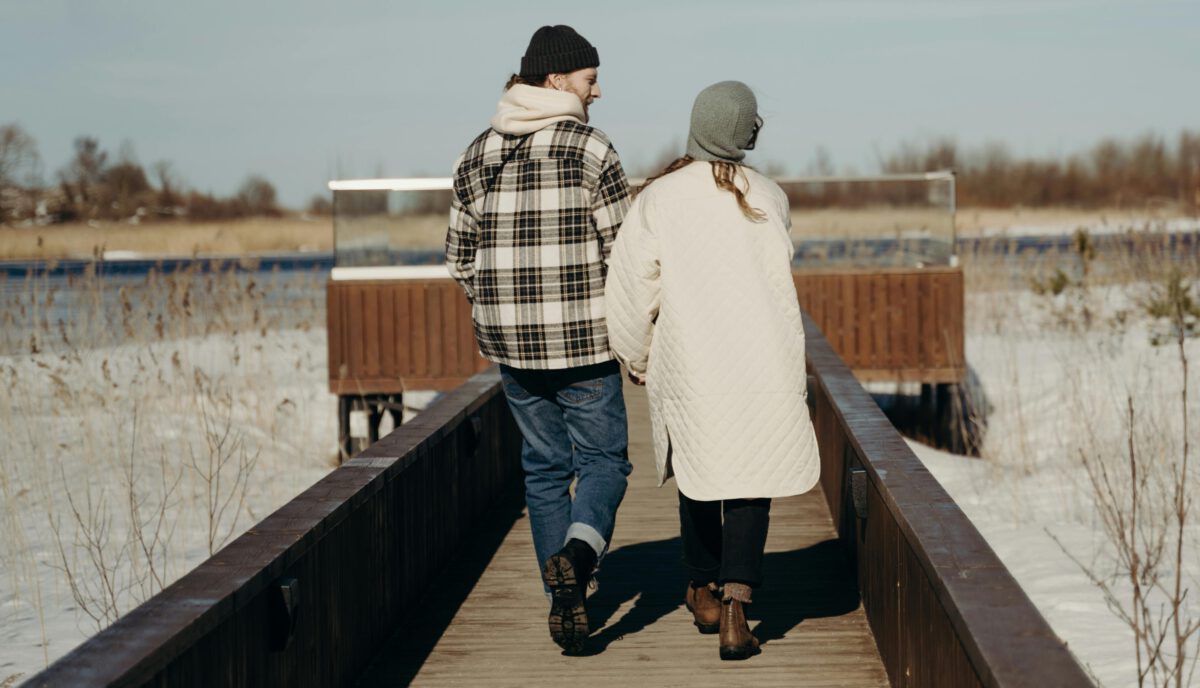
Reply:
x=705 y=629
x=738 y=653
x=568 y=619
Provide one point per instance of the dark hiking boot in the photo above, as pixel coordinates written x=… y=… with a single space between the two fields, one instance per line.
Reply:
x=705 y=606
x=737 y=642
x=566 y=573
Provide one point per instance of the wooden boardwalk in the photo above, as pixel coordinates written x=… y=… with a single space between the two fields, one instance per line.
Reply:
x=484 y=623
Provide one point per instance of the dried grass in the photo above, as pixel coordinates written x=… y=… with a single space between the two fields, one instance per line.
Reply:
x=146 y=422
x=233 y=238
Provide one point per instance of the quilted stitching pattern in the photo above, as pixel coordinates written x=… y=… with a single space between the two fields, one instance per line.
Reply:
x=702 y=301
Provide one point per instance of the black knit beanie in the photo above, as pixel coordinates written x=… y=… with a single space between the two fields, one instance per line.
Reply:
x=557 y=50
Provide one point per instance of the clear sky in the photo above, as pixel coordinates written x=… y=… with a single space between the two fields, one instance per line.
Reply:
x=304 y=91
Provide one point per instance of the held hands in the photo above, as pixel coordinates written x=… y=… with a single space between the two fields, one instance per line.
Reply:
x=636 y=379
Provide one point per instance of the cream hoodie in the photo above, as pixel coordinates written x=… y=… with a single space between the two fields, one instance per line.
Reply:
x=525 y=109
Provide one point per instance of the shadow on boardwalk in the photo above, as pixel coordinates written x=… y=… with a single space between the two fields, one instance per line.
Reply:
x=807 y=583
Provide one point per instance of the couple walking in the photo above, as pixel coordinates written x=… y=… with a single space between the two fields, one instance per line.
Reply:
x=688 y=285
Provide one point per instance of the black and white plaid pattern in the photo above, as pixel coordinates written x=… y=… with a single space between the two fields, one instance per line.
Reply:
x=529 y=239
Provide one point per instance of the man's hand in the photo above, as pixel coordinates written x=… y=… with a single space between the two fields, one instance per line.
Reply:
x=636 y=379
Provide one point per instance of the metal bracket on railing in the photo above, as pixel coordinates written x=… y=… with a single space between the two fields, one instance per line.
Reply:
x=858 y=490
x=474 y=430
x=284 y=605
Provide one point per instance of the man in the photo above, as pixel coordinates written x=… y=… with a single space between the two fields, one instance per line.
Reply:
x=537 y=202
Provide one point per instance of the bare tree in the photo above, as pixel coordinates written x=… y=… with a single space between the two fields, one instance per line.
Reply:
x=20 y=172
x=19 y=160
x=257 y=195
x=81 y=178
x=168 y=185
x=320 y=205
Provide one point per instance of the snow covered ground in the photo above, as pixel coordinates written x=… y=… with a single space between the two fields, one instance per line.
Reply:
x=131 y=447
x=97 y=431
x=1057 y=390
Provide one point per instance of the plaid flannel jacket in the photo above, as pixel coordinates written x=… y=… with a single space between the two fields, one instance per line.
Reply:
x=532 y=222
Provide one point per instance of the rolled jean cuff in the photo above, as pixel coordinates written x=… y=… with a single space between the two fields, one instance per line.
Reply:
x=582 y=531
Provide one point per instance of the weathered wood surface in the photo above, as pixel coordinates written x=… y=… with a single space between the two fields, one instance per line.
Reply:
x=943 y=608
x=363 y=544
x=388 y=336
x=808 y=612
x=901 y=324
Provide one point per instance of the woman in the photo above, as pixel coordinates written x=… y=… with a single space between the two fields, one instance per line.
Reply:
x=703 y=310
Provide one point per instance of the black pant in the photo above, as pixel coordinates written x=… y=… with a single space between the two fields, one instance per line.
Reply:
x=719 y=553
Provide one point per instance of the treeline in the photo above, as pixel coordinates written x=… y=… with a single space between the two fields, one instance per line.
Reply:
x=1147 y=172
x=95 y=185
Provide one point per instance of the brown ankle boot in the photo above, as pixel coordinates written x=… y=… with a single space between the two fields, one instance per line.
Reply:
x=737 y=642
x=705 y=607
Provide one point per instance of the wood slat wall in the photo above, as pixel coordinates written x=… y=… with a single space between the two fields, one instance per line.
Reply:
x=895 y=324
x=943 y=608
x=387 y=336
x=364 y=544
x=390 y=335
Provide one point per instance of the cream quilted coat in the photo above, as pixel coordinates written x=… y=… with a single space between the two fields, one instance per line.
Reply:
x=701 y=302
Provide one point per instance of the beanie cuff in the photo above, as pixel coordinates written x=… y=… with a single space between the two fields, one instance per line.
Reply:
x=697 y=151
x=560 y=63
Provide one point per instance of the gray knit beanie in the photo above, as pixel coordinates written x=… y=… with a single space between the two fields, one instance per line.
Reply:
x=724 y=118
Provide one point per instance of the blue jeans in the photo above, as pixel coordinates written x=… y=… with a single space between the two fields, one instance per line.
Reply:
x=573 y=427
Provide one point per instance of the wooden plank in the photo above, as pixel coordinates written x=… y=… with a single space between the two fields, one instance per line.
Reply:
x=897 y=336
x=469 y=349
x=450 y=328
x=936 y=316
x=419 y=339
x=924 y=323
x=908 y=316
x=863 y=314
x=370 y=331
x=387 y=333
x=843 y=320
x=807 y=611
x=956 y=321
x=926 y=375
x=880 y=353
x=389 y=386
x=405 y=363
x=434 y=332
x=354 y=327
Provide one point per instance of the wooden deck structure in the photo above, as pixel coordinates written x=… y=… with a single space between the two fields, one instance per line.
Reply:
x=890 y=324
x=404 y=563
x=390 y=336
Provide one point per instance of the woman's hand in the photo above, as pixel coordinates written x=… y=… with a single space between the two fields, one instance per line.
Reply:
x=636 y=379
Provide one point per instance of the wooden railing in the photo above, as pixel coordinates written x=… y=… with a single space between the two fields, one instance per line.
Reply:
x=943 y=608
x=307 y=596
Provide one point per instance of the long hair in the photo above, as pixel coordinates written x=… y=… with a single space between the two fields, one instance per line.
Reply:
x=724 y=173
